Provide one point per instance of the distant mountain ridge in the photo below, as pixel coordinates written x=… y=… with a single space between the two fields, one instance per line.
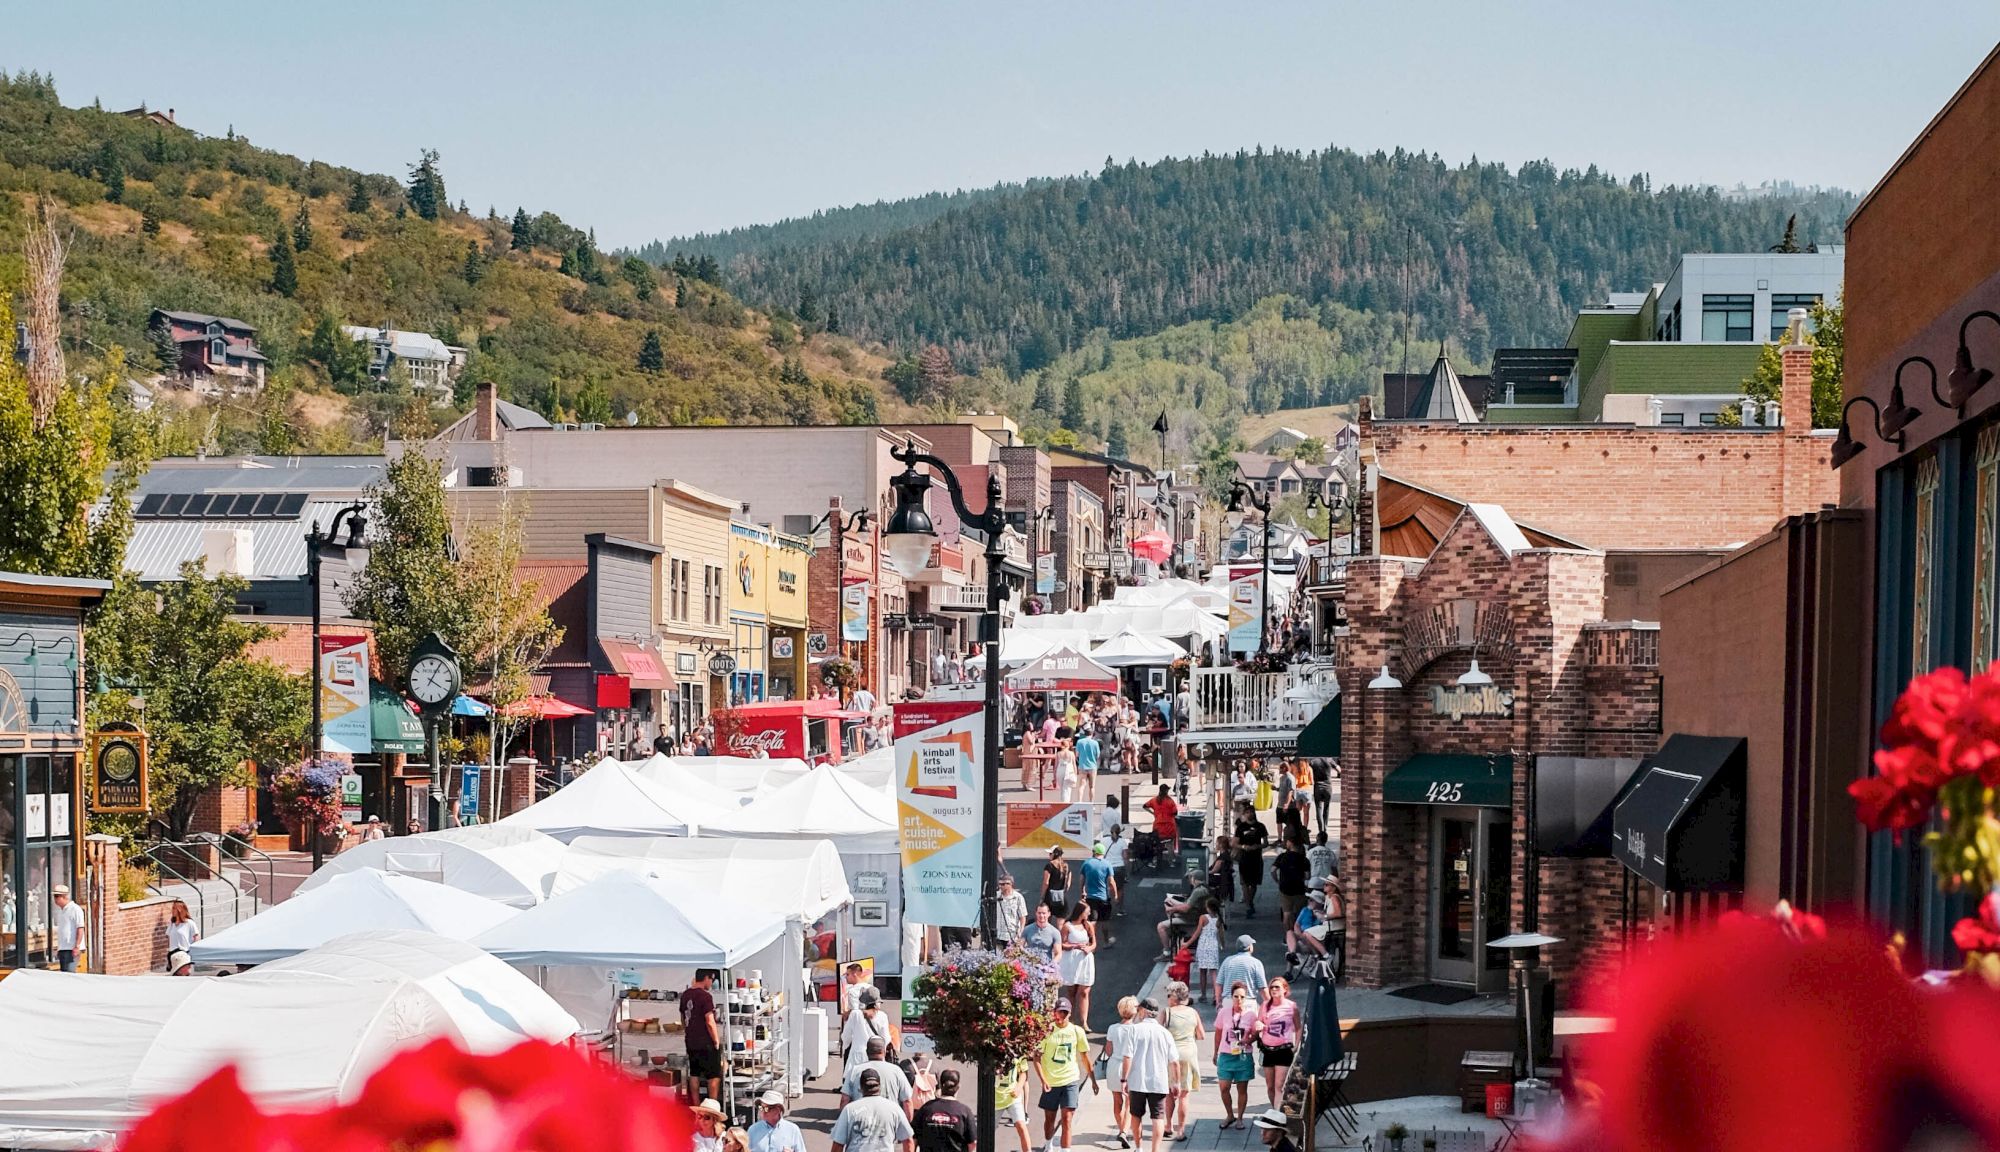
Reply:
x=849 y=222
x=1483 y=254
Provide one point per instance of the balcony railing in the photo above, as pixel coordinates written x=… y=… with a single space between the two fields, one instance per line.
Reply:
x=1326 y=571
x=1227 y=698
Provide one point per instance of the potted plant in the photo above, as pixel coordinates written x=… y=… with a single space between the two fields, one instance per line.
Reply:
x=1395 y=1134
x=242 y=837
x=309 y=801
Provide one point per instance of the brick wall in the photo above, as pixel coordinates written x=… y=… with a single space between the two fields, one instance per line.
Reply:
x=132 y=938
x=1616 y=486
x=222 y=808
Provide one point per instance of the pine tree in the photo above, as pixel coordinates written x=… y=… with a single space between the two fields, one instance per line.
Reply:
x=111 y=170
x=165 y=352
x=935 y=372
x=302 y=229
x=832 y=319
x=475 y=264
x=358 y=199
x=640 y=275
x=680 y=292
x=1789 y=243
x=523 y=236
x=707 y=270
x=568 y=265
x=1072 y=409
x=1045 y=394
x=426 y=187
x=284 y=275
x=149 y=223
x=808 y=306
x=652 y=357
x=1115 y=444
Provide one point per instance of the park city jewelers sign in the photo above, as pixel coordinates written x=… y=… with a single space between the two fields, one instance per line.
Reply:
x=1458 y=701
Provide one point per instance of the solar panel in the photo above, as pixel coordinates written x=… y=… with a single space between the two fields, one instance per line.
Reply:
x=222 y=506
x=291 y=505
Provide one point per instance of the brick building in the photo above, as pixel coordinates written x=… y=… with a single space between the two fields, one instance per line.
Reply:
x=1497 y=660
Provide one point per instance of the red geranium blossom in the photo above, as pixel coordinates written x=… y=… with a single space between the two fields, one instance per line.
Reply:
x=1980 y=934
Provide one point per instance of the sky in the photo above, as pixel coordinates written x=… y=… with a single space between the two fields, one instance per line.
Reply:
x=651 y=120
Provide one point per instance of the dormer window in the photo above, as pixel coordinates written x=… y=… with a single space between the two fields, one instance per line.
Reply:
x=218 y=350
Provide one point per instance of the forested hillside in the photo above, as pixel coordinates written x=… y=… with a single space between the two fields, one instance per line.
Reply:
x=1489 y=256
x=161 y=216
x=855 y=222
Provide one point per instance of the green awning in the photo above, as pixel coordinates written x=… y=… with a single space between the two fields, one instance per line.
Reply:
x=1322 y=736
x=1437 y=778
x=393 y=726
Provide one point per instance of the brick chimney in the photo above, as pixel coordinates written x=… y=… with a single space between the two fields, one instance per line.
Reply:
x=485 y=413
x=1795 y=402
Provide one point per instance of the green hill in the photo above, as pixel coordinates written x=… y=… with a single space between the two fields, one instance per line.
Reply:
x=854 y=222
x=165 y=217
x=1487 y=255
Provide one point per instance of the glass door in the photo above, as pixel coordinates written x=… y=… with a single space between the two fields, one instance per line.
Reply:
x=1471 y=896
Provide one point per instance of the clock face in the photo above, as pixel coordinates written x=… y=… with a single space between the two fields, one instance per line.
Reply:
x=432 y=680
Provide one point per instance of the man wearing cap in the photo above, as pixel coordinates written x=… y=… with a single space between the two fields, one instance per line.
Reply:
x=871 y=1123
x=1183 y=912
x=1010 y=912
x=1275 y=1129
x=1152 y=1067
x=1243 y=965
x=71 y=935
x=892 y=1084
x=772 y=1132
x=943 y=1124
x=1060 y=1069
x=1100 y=887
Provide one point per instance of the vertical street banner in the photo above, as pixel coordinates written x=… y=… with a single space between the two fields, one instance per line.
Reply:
x=854 y=612
x=1246 y=615
x=343 y=695
x=940 y=787
x=1045 y=574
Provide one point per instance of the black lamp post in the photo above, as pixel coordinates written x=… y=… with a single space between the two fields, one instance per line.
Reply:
x=356 y=517
x=840 y=527
x=1168 y=502
x=908 y=537
x=1239 y=494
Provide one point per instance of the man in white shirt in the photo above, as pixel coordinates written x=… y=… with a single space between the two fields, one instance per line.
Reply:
x=862 y=701
x=1010 y=912
x=891 y=1084
x=71 y=934
x=1152 y=1068
x=871 y=1123
x=856 y=989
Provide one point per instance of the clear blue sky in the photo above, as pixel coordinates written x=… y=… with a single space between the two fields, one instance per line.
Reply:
x=653 y=119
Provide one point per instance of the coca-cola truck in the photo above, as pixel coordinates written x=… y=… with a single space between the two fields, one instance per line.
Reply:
x=817 y=731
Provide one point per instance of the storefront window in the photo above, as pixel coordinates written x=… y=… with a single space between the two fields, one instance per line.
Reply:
x=1924 y=573
x=1499 y=889
x=1986 y=546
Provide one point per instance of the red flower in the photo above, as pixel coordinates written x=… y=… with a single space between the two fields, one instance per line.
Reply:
x=1926 y=711
x=1884 y=804
x=1975 y=745
x=1980 y=934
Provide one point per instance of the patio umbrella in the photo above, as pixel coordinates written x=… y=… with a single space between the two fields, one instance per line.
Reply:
x=1154 y=546
x=467 y=706
x=542 y=708
x=1321 y=1047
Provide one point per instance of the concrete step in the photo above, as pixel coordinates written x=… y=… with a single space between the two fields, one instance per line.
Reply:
x=216 y=905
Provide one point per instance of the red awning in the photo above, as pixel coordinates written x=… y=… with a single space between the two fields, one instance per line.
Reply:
x=638 y=663
x=542 y=708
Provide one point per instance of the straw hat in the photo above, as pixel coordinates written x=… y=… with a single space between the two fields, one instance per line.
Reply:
x=710 y=1106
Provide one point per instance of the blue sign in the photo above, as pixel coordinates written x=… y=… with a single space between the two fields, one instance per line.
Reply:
x=468 y=791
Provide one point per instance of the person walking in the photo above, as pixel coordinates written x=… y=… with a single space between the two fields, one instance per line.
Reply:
x=1320 y=861
x=1088 y=751
x=1289 y=869
x=72 y=937
x=1066 y=770
x=1010 y=913
x=701 y=1034
x=1079 y=959
x=1111 y=1057
x=1274 y=1128
x=1100 y=883
x=1323 y=771
x=772 y=1132
x=943 y=1124
x=1208 y=950
x=711 y=1125
x=181 y=929
x=1055 y=882
x=1041 y=938
x=1009 y=1092
x=1116 y=840
x=1183 y=1023
x=1152 y=1065
x=871 y=1123
x=1235 y=1031
x=895 y=1085
x=1243 y=967
x=1277 y=1040
x=1222 y=869
x=866 y=1023
x=1061 y=1069
x=1250 y=839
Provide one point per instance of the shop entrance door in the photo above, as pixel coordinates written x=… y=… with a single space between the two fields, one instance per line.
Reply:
x=1471 y=890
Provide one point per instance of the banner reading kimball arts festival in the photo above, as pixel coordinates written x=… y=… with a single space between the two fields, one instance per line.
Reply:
x=938 y=797
x=343 y=695
x=854 y=612
x=1245 y=618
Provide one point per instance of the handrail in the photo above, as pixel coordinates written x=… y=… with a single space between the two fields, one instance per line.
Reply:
x=201 y=899
x=270 y=869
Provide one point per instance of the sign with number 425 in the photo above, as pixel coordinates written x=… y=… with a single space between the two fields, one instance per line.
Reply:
x=1445 y=792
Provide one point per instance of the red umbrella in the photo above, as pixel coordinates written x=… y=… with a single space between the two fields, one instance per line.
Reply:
x=1154 y=546
x=542 y=708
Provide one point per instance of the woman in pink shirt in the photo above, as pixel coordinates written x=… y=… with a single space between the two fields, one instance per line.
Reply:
x=1278 y=1038
x=1236 y=1028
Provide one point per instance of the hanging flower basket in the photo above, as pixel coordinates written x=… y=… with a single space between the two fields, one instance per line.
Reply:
x=309 y=797
x=840 y=674
x=987 y=1007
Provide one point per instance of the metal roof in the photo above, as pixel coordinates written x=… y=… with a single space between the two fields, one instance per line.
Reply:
x=1442 y=397
x=319 y=475
x=406 y=345
x=158 y=548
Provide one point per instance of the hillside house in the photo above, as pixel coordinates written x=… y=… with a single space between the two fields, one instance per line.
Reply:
x=431 y=363
x=212 y=347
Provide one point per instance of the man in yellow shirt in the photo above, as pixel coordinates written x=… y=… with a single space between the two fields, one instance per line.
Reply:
x=1061 y=1069
x=1008 y=1088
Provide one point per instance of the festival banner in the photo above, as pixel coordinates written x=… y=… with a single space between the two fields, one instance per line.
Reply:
x=1045 y=574
x=1246 y=617
x=854 y=612
x=343 y=696
x=1044 y=826
x=939 y=798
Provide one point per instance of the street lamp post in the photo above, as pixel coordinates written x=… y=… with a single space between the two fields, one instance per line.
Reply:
x=839 y=527
x=908 y=537
x=356 y=516
x=1240 y=493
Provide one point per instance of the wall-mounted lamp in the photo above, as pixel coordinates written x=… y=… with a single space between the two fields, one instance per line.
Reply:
x=1965 y=379
x=1386 y=682
x=1890 y=422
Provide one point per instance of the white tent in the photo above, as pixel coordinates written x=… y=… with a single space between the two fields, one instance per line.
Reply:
x=613 y=800
x=498 y=861
x=679 y=780
x=492 y=1006
x=1129 y=649
x=792 y=877
x=824 y=803
x=1024 y=645
x=356 y=902
x=628 y=919
x=876 y=769
x=87 y=1056
x=748 y=778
